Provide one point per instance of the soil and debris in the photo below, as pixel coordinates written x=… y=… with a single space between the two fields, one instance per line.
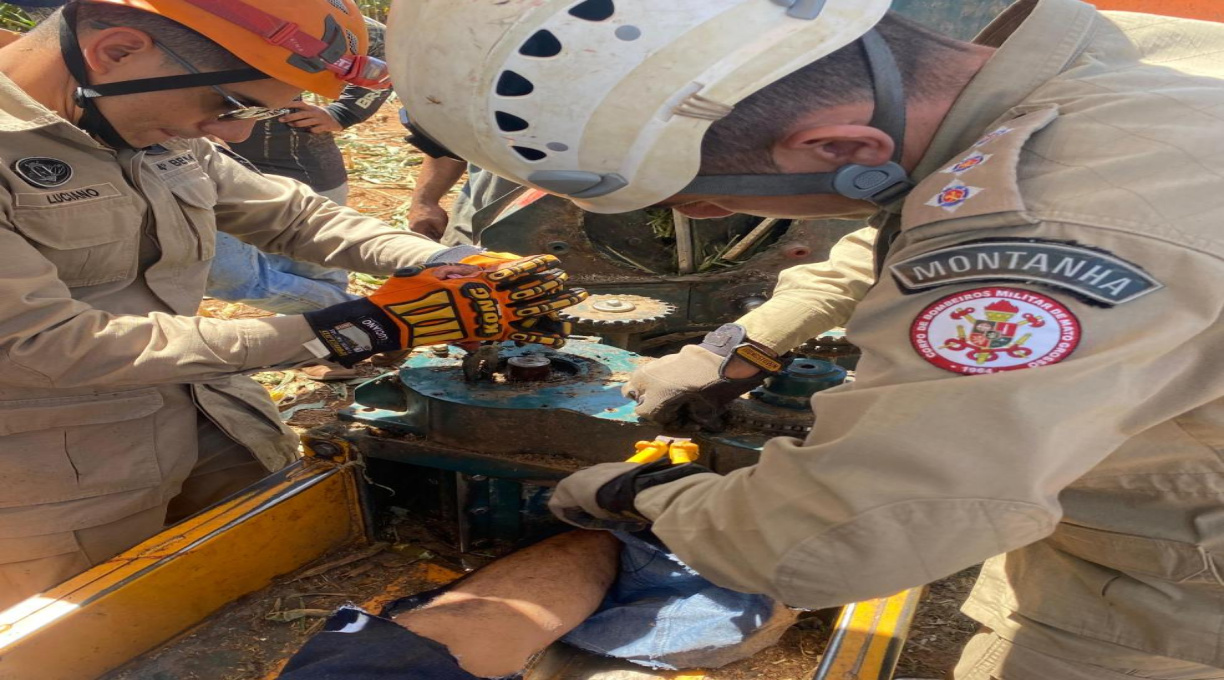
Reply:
x=940 y=630
x=251 y=637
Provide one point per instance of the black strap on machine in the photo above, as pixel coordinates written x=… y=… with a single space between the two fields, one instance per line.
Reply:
x=879 y=184
x=422 y=141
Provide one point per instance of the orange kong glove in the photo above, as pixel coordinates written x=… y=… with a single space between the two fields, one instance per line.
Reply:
x=450 y=304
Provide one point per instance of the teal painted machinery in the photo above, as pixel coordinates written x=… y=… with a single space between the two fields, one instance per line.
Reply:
x=477 y=447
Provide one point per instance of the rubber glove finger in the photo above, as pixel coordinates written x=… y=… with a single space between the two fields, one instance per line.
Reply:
x=539 y=290
x=546 y=339
x=556 y=303
x=532 y=265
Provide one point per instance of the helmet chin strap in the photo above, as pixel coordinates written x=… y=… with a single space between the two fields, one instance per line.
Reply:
x=880 y=184
x=92 y=120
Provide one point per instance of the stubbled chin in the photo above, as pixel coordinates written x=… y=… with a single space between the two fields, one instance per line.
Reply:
x=703 y=211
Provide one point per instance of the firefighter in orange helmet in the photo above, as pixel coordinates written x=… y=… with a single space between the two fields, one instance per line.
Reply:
x=120 y=409
x=312 y=45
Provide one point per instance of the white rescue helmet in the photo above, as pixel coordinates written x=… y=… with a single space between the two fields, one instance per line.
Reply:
x=603 y=101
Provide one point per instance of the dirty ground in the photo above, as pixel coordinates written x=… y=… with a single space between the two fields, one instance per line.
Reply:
x=253 y=634
x=250 y=639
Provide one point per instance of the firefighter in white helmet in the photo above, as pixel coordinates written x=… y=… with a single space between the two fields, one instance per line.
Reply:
x=1038 y=387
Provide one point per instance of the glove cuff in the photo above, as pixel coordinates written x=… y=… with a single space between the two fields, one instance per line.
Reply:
x=731 y=341
x=454 y=255
x=355 y=330
x=618 y=495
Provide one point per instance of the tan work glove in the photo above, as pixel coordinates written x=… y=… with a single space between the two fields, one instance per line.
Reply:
x=691 y=390
x=602 y=497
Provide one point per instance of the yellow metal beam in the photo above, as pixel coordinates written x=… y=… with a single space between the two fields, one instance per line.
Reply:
x=868 y=638
x=118 y=610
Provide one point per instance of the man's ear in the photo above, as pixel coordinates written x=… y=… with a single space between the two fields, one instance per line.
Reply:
x=114 y=48
x=825 y=148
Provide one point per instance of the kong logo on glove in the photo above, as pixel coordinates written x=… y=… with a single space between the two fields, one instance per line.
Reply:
x=488 y=311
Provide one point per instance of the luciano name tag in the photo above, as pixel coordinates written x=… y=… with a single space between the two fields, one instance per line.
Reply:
x=1094 y=274
x=65 y=197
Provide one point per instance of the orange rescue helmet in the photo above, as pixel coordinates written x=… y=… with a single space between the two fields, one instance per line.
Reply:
x=318 y=45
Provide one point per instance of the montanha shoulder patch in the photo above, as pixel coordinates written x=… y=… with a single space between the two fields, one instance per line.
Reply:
x=1094 y=274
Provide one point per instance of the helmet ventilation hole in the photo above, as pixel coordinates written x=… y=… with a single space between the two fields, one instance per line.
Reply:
x=543 y=44
x=509 y=123
x=529 y=153
x=594 y=10
x=511 y=84
x=628 y=33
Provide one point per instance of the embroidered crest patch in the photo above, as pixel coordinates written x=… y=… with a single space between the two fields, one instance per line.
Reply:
x=1099 y=276
x=991 y=330
x=46 y=173
x=972 y=161
x=954 y=196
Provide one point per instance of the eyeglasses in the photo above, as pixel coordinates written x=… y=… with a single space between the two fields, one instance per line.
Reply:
x=239 y=110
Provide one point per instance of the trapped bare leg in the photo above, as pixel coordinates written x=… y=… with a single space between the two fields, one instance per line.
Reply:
x=494 y=621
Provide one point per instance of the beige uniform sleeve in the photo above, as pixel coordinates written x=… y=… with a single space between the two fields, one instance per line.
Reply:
x=915 y=472
x=48 y=339
x=279 y=215
x=813 y=298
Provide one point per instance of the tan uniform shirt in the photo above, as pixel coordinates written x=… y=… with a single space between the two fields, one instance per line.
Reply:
x=1041 y=372
x=813 y=298
x=103 y=364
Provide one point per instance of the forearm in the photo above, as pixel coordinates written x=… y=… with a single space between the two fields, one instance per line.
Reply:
x=811 y=299
x=436 y=179
x=280 y=215
x=316 y=230
x=357 y=105
x=92 y=348
x=868 y=507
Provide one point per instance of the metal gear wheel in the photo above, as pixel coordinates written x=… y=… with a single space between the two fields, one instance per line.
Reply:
x=783 y=404
x=753 y=414
x=831 y=346
x=622 y=314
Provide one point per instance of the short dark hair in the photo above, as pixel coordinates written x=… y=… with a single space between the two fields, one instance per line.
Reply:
x=197 y=49
x=742 y=141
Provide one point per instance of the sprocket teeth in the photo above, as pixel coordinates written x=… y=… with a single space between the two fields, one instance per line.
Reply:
x=599 y=312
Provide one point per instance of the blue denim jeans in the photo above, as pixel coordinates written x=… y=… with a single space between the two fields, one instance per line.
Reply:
x=243 y=273
x=274 y=283
x=661 y=614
